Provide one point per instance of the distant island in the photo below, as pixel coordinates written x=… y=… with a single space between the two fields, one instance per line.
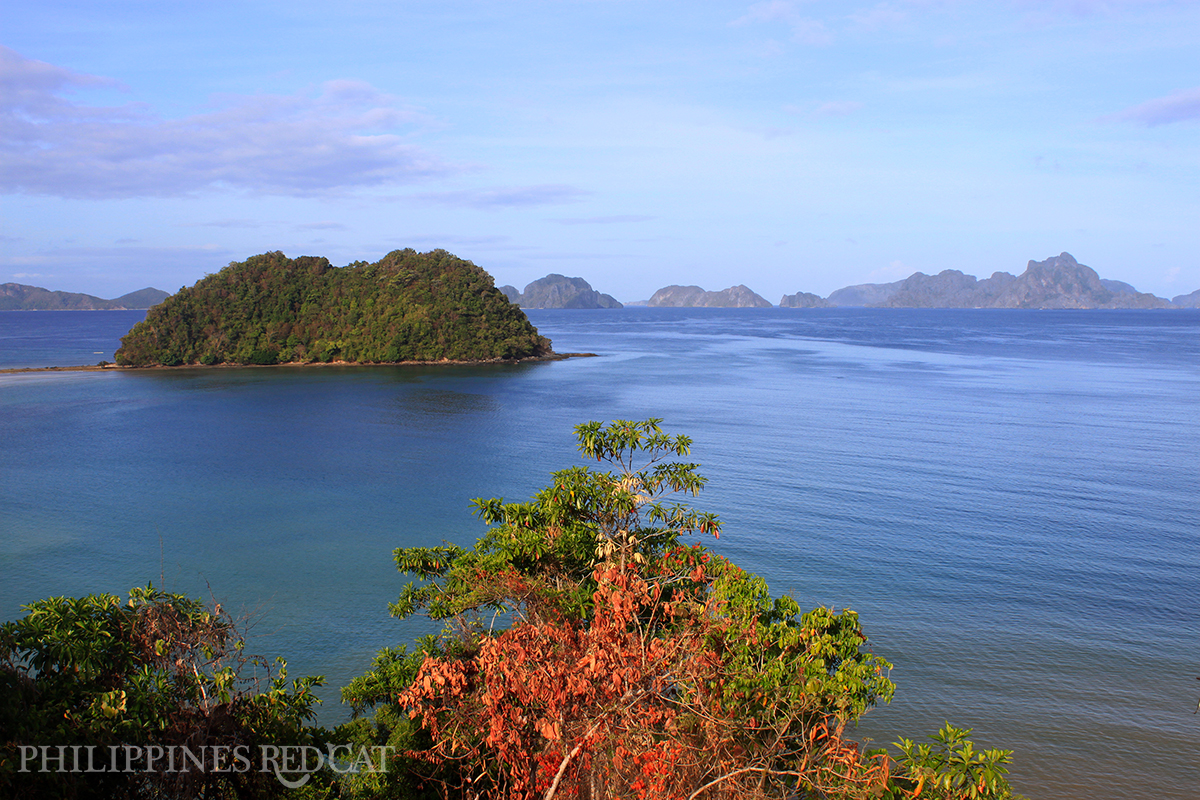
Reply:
x=1057 y=282
x=559 y=291
x=271 y=309
x=19 y=297
x=803 y=300
x=1187 y=300
x=694 y=297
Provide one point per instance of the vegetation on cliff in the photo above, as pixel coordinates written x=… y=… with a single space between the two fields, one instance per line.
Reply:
x=271 y=309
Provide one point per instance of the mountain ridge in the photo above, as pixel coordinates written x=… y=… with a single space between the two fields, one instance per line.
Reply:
x=559 y=291
x=23 y=297
x=1058 y=282
x=676 y=296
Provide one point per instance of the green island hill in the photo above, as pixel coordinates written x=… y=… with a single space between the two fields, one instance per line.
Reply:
x=271 y=309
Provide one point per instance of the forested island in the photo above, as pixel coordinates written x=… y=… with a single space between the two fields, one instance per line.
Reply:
x=271 y=309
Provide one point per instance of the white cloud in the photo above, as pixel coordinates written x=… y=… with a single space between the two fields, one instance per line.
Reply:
x=546 y=194
x=322 y=226
x=1177 y=107
x=837 y=108
x=341 y=137
x=804 y=29
x=1088 y=7
x=227 y=223
x=609 y=220
x=884 y=15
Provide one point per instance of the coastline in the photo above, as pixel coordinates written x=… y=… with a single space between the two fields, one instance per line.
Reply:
x=297 y=364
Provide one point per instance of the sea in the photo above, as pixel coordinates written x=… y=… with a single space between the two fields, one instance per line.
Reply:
x=1010 y=499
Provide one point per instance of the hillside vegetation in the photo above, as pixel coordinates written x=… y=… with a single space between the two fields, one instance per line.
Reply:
x=271 y=309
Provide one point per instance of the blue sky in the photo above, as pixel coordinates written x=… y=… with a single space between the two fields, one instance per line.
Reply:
x=789 y=146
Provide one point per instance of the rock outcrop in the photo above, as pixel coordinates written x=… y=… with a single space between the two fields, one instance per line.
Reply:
x=559 y=291
x=1187 y=300
x=804 y=300
x=1062 y=282
x=693 y=297
x=1058 y=282
x=1117 y=287
x=864 y=294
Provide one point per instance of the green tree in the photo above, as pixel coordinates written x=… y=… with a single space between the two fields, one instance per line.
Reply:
x=589 y=650
x=159 y=670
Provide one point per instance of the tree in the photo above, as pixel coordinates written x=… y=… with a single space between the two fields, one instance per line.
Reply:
x=633 y=664
x=159 y=670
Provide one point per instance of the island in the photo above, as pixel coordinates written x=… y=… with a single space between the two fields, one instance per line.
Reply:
x=803 y=300
x=19 y=297
x=1058 y=282
x=693 y=296
x=1187 y=300
x=559 y=291
x=271 y=309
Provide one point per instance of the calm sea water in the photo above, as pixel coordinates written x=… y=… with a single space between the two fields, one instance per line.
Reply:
x=1008 y=498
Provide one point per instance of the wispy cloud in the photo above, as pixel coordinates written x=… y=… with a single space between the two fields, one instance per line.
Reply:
x=836 y=108
x=322 y=226
x=485 y=242
x=1082 y=8
x=1177 y=107
x=103 y=270
x=227 y=223
x=804 y=29
x=883 y=15
x=611 y=220
x=339 y=137
x=542 y=195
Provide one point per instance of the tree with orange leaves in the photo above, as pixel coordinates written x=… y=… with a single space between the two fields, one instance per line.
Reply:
x=633 y=665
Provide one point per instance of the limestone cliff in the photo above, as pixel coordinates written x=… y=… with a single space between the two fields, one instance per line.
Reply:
x=559 y=291
x=693 y=296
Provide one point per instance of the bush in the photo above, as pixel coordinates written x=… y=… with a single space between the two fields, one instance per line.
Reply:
x=158 y=670
x=635 y=664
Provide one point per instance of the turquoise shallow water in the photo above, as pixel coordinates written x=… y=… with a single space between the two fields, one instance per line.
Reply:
x=1009 y=499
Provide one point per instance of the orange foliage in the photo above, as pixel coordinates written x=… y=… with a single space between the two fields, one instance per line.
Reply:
x=628 y=704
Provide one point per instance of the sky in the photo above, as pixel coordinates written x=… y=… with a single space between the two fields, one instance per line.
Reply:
x=785 y=145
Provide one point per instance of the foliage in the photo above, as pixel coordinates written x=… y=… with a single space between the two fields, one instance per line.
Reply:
x=951 y=768
x=634 y=664
x=270 y=309
x=589 y=651
x=160 y=669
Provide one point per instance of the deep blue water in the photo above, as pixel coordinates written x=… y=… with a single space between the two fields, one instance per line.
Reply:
x=1008 y=498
